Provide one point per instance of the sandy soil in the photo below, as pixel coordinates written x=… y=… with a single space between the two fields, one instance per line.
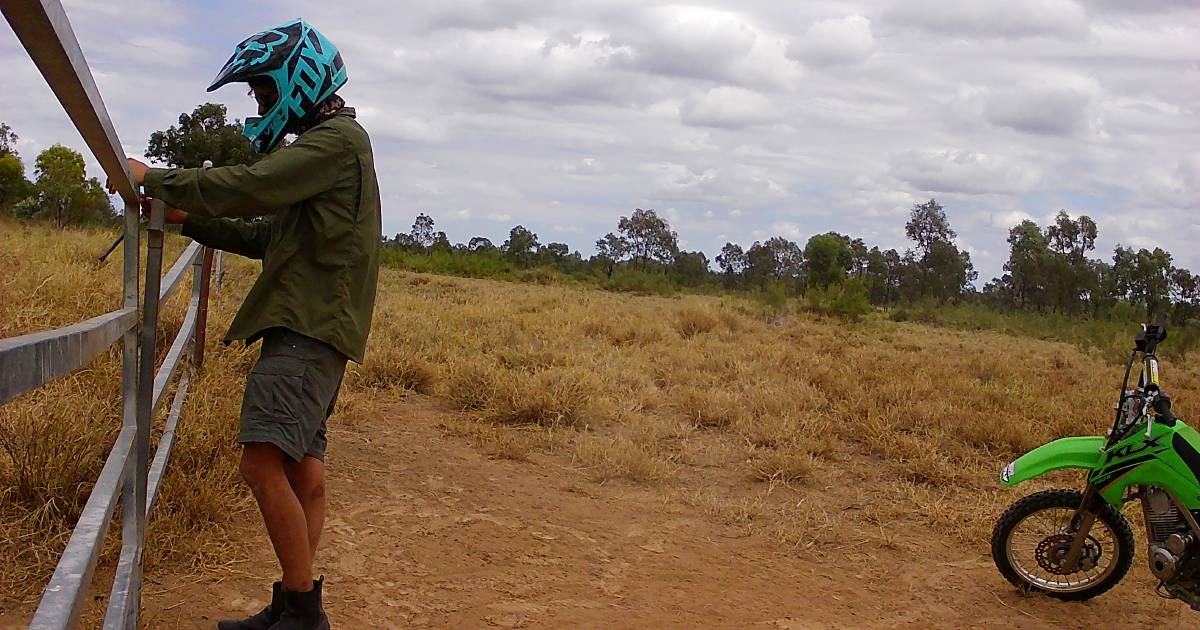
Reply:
x=425 y=530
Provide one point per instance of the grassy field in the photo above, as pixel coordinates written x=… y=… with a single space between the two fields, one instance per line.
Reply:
x=753 y=415
x=53 y=441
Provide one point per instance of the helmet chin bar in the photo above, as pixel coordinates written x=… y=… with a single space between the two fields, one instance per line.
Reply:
x=265 y=132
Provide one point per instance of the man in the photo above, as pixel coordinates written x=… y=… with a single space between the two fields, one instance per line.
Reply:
x=312 y=304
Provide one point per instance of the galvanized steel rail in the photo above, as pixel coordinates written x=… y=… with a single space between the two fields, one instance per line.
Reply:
x=56 y=353
x=30 y=361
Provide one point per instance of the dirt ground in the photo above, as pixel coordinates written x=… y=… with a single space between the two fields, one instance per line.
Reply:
x=426 y=531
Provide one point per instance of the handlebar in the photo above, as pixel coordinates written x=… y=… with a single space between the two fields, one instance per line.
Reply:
x=1148 y=396
x=1148 y=339
x=1162 y=408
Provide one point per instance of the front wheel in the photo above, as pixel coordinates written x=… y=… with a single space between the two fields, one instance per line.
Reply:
x=1032 y=538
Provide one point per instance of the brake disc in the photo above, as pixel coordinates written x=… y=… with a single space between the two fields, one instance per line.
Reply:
x=1052 y=553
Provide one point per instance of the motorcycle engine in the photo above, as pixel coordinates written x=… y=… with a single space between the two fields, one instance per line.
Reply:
x=1174 y=557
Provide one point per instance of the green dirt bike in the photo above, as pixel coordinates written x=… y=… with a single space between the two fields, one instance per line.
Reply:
x=1076 y=545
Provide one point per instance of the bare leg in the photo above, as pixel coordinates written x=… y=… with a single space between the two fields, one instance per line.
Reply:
x=307 y=478
x=263 y=470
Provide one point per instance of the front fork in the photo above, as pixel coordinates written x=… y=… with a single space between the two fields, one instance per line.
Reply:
x=1082 y=522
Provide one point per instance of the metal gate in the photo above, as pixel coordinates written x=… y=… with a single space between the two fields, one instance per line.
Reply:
x=30 y=361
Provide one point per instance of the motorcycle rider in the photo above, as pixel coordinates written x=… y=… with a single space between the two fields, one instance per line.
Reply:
x=312 y=304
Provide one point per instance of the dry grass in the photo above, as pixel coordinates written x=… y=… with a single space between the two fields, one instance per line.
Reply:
x=693 y=392
x=807 y=430
x=394 y=367
x=691 y=321
x=786 y=465
x=53 y=441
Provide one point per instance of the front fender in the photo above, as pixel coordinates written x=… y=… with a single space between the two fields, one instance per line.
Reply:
x=1072 y=452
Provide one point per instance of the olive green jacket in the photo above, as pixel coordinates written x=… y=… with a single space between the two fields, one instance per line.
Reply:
x=319 y=242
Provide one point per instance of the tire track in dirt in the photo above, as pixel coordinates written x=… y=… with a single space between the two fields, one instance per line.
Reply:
x=424 y=530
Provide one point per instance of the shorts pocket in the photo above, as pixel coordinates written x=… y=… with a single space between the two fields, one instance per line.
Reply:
x=275 y=389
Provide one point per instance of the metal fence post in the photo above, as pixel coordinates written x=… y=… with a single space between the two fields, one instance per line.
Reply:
x=216 y=268
x=141 y=465
x=127 y=585
x=131 y=266
x=219 y=272
x=129 y=370
x=200 y=278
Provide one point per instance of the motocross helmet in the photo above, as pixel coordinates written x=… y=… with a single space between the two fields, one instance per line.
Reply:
x=305 y=67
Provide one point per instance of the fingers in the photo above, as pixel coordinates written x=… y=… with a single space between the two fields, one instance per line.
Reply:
x=133 y=170
x=145 y=206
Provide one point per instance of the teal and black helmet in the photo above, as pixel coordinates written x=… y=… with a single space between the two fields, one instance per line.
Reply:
x=305 y=66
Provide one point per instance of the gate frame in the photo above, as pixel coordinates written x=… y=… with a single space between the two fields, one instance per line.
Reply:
x=31 y=361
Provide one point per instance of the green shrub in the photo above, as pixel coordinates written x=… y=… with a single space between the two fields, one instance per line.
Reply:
x=847 y=300
x=926 y=315
x=773 y=295
x=851 y=301
x=487 y=264
x=1125 y=312
x=542 y=276
x=640 y=282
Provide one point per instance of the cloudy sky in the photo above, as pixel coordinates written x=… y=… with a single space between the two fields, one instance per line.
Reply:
x=736 y=120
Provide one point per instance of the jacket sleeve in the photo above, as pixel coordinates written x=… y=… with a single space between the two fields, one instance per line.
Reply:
x=301 y=170
x=238 y=236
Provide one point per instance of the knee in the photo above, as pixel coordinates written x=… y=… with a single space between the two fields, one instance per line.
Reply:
x=310 y=489
x=315 y=491
x=251 y=475
x=255 y=471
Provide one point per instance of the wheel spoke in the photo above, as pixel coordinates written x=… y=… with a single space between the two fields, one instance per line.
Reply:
x=1044 y=536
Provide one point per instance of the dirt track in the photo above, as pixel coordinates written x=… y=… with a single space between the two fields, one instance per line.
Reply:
x=424 y=530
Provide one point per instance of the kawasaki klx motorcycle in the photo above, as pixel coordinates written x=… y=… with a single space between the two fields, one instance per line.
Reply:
x=1076 y=545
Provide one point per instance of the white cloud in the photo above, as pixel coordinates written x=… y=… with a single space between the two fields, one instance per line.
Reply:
x=1141 y=6
x=1007 y=220
x=957 y=171
x=702 y=43
x=993 y=18
x=790 y=230
x=588 y=166
x=749 y=119
x=1050 y=105
x=1177 y=186
x=532 y=64
x=402 y=128
x=1189 y=173
x=728 y=107
x=835 y=42
x=725 y=185
x=480 y=15
x=157 y=50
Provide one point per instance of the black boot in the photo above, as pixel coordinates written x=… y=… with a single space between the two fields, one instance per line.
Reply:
x=303 y=611
x=264 y=619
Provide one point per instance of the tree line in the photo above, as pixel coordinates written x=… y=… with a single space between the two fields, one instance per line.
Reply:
x=1049 y=269
x=644 y=251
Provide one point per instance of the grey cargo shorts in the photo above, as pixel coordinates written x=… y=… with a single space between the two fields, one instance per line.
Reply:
x=290 y=393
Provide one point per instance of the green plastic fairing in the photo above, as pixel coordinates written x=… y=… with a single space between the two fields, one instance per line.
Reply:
x=1072 y=452
x=1167 y=458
